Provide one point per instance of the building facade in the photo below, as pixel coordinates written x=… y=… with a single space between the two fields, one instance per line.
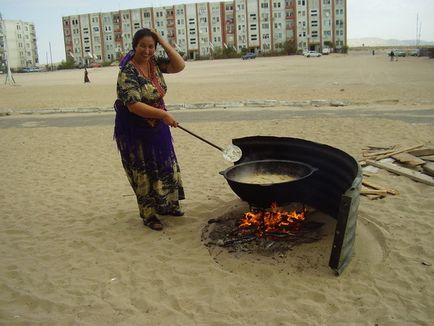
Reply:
x=18 y=44
x=199 y=29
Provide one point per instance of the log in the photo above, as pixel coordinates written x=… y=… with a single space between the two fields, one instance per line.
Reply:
x=422 y=152
x=416 y=176
x=378 y=187
x=408 y=159
x=399 y=151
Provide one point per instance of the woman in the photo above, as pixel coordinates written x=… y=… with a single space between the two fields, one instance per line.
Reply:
x=86 y=76
x=142 y=128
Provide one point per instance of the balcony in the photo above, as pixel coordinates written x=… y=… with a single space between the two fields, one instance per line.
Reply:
x=289 y=4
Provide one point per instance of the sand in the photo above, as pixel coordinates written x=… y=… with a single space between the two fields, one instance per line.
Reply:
x=74 y=252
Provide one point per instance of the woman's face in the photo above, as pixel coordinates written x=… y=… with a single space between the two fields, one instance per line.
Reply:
x=145 y=48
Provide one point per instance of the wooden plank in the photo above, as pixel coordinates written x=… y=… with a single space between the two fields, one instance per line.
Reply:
x=408 y=159
x=378 y=187
x=428 y=168
x=422 y=152
x=376 y=148
x=374 y=154
x=399 y=151
x=427 y=158
x=374 y=197
x=373 y=192
x=416 y=176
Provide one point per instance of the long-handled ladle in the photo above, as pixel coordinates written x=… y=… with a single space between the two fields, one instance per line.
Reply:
x=231 y=153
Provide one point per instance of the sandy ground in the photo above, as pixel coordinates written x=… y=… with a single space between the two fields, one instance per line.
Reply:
x=74 y=252
x=359 y=78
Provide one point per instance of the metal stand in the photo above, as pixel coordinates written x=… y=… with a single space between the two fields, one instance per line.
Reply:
x=9 y=78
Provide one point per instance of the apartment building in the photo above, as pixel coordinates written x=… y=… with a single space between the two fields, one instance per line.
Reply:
x=18 y=44
x=198 y=29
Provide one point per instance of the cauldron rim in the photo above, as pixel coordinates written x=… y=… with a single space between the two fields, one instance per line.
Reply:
x=309 y=167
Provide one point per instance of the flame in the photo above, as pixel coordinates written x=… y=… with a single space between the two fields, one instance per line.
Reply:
x=276 y=220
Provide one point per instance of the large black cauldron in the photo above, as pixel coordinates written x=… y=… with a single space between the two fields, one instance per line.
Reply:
x=292 y=184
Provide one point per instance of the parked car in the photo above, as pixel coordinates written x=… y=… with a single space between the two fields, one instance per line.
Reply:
x=249 y=55
x=325 y=51
x=309 y=54
x=30 y=69
x=397 y=53
x=415 y=53
x=95 y=65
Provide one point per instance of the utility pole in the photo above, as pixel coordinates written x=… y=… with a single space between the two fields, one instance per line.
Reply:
x=4 y=44
x=418 y=30
x=51 y=57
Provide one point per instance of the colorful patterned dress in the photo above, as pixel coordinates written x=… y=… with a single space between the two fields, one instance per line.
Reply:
x=145 y=145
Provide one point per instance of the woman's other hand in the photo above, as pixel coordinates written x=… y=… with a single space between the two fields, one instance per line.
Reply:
x=169 y=120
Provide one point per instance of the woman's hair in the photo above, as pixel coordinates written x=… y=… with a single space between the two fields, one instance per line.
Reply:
x=141 y=33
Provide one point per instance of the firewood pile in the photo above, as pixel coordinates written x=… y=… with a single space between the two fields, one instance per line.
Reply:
x=414 y=162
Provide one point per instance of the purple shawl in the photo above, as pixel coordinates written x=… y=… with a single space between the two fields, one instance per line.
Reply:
x=141 y=145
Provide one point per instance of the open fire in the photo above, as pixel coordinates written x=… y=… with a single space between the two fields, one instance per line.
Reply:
x=264 y=231
x=275 y=221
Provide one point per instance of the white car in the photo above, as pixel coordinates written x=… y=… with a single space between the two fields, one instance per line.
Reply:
x=326 y=51
x=309 y=54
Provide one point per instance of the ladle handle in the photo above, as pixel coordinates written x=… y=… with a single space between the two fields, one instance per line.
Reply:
x=202 y=139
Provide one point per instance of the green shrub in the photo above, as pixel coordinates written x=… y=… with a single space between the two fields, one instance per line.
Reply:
x=68 y=64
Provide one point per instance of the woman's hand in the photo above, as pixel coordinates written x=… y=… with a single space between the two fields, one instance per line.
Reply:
x=176 y=62
x=169 y=120
x=153 y=30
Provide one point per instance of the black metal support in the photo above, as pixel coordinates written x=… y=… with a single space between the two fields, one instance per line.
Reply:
x=334 y=189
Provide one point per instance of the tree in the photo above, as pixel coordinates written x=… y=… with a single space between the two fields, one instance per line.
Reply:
x=68 y=64
x=290 y=47
x=230 y=52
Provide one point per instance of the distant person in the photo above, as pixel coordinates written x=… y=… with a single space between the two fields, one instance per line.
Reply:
x=142 y=128
x=373 y=52
x=86 y=76
x=392 y=55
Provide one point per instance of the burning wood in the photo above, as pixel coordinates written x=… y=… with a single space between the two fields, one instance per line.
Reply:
x=276 y=220
x=264 y=231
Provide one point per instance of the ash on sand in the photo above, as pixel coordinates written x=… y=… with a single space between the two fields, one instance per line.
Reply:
x=311 y=245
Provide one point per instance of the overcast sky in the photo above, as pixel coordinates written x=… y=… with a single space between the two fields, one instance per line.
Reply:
x=388 y=19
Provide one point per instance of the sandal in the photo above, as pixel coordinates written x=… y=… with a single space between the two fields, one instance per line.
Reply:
x=173 y=212
x=153 y=223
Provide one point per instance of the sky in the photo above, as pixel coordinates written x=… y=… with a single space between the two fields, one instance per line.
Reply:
x=387 y=19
